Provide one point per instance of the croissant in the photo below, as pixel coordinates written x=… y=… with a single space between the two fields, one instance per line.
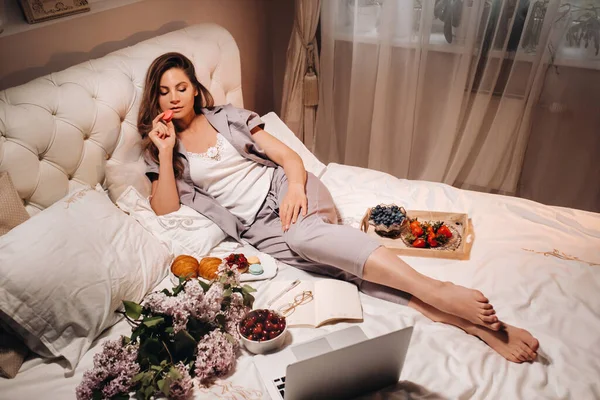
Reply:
x=185 y=266
x=208 y=267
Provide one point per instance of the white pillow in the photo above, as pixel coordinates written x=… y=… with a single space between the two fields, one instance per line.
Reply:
x=185 y=230
x=119 y=176
x=67 y=269
x=276 y=127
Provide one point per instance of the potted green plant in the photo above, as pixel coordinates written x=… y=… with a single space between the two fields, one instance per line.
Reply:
x=585 y=28
x=450 y=13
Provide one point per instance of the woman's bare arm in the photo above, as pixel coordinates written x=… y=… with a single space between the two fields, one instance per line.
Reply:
x=282 y=155
x=165 y=198
x=295 y=199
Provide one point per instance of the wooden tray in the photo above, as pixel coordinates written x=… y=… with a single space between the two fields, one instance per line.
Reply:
x=461 y=222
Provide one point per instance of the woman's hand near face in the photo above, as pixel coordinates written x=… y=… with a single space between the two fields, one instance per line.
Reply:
x=163 y=135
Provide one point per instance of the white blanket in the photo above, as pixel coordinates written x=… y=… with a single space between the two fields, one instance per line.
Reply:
x=557 y=300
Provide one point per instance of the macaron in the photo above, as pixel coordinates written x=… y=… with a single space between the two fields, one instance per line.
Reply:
x=256 y=269
x=168 y=116
x=253 y=260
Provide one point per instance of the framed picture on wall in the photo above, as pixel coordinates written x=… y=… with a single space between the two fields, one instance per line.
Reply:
x=43 y=10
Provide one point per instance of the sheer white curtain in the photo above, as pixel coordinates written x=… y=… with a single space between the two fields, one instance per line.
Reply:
x=439 y=90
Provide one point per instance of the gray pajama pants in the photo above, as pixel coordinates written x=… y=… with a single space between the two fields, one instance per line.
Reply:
x=316 y=243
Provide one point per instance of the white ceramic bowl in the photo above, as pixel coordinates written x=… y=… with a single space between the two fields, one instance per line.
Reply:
x=265 y=346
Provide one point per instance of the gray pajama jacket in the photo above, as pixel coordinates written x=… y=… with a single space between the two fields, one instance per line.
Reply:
x=315 y=243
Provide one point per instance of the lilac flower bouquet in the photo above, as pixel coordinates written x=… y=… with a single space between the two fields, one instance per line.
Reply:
x=179 y=338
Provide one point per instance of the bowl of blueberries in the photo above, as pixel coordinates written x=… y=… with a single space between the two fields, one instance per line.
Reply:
x=263 y=331
x=388 y=220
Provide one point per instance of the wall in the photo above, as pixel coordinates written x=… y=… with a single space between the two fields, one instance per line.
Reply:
x=281 y=22
x=52 y=48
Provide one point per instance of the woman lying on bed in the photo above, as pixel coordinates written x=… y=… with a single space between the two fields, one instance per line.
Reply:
x=219 y=161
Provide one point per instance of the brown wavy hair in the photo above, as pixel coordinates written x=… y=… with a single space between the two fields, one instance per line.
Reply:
x=149 y=107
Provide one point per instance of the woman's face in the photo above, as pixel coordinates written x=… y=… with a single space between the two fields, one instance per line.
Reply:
x=176 y=93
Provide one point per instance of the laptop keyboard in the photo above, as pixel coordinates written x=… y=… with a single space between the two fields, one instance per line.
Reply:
x=280 y=385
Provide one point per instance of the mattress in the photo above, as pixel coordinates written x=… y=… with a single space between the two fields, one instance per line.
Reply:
x=557 y=300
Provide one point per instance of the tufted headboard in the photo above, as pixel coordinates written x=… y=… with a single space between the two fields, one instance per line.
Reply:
x=60 y=131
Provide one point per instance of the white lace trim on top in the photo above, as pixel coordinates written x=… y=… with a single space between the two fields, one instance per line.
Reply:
x=212 y=153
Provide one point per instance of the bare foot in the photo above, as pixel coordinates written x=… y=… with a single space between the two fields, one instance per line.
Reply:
x=465 y=303
x=514 y=344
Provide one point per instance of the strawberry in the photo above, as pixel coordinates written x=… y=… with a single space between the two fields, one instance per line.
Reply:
x=419 y=242
x=444 y=230
x=431 y=240
x=416 y=231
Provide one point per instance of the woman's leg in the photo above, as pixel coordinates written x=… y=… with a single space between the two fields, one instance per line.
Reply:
x=384 y=267
x=318 y=238
x=514 y=344
x=317 y=244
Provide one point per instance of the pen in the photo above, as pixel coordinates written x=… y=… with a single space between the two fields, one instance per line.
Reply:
x=284 y=291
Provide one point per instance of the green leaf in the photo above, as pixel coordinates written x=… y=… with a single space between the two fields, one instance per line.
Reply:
x=152 y=321
x=138 y=377
x=149 y=391
x=169 y=329
x=174 y=374
x=184 y=342
x=220 y=319
x=97 y=394
x=248 y=299
x=227 y=292
x=205 y=286
x=147 y=380
x=160 y=384
x=248 y=289
x=121 y=396
x=151 y=351
x=230 y=338
x=126 y=340
x=155 y=368
x=135 y=334
x=133 y=310
x=179 y=288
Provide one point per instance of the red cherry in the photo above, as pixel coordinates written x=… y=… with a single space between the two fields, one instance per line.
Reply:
x=264 y=336
x=270 y=316
x=257 y=329
x=273 y=334
x=250 y=337
x=282 y=326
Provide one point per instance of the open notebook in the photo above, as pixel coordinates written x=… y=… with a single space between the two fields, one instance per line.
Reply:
x=332 y=300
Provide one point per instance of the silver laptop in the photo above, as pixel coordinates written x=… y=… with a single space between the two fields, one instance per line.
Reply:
x=339 y=365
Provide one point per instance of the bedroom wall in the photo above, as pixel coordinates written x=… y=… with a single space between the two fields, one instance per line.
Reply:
x=52 y=48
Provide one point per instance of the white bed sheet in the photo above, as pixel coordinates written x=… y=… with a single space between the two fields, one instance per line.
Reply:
x=557 y=300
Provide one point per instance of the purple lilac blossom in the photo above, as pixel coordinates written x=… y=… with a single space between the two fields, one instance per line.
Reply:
x=216 y=356
x=229 y=274
x=116 y=365
x=183 y=387
x=160 y=303
x=234 y=314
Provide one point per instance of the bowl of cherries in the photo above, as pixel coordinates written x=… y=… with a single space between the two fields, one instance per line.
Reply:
x=262 y=331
